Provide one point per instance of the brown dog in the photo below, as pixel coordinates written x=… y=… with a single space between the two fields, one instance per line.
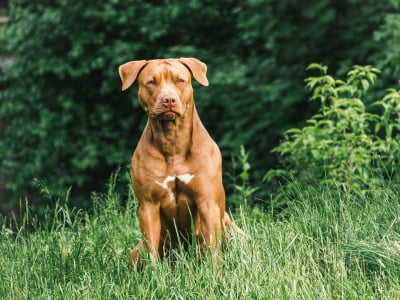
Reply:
x=176 y=167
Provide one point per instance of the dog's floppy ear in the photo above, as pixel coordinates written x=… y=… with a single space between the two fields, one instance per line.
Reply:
x=129 y=72
x=198 y=69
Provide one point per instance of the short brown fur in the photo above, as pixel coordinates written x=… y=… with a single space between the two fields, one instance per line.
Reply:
x=176 y=167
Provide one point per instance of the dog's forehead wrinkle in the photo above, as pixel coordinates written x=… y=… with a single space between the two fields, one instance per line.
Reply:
x=165 y=72
x=169 y=68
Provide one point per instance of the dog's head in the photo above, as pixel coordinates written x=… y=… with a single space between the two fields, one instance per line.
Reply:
x=165 y=88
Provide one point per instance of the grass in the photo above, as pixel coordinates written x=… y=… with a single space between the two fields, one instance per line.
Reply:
x=323 y=246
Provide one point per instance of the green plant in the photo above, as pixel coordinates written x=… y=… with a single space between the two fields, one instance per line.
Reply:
x=344 y=144
x=241 y=183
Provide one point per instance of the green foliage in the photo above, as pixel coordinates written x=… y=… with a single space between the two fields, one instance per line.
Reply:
x=67 y=124
x=275 y=41
x=344 y=144
x=388 y=36
x=244 y=190
x=66 y=120
x=59 y=102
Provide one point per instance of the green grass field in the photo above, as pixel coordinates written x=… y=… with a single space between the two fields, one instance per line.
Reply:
x=324 y=245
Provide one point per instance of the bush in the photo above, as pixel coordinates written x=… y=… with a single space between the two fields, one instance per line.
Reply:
x=344 y=145
x=67 y=122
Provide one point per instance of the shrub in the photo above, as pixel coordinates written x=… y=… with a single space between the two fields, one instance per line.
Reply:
x=344 y=144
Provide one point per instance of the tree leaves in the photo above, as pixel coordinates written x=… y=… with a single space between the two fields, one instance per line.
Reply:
x=69 y=125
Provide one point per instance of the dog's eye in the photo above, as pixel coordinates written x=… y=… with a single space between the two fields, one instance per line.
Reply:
x=150 y=82
x=181 y=80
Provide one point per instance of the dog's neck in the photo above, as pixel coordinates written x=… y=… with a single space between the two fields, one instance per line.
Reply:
x=173 y=138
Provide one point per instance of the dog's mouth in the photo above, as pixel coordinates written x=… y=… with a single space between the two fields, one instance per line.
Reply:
x=168 y=115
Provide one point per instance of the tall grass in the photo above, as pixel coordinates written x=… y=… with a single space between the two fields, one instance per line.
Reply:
x=325 y=245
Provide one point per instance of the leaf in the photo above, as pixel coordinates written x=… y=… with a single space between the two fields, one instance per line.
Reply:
x=271 y=174
x=316 y=66
x=365 y=84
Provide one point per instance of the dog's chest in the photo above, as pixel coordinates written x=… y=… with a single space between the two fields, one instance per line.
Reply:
x=176 y=193
x=173 y=184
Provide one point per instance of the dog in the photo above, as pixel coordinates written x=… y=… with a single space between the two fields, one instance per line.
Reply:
x=176 y=166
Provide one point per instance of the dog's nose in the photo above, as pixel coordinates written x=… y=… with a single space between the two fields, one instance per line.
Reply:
x=168 y=101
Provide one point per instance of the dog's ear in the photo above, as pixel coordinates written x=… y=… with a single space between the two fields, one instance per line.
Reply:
x=198 y=69
x=129 y=72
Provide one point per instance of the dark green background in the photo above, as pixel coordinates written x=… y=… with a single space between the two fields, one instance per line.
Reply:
x=66 y=123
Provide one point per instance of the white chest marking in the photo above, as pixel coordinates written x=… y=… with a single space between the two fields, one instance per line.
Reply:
x=185 y=178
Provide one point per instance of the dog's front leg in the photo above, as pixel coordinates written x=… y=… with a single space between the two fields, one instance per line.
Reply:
x=150 y=225
x=210 y=232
